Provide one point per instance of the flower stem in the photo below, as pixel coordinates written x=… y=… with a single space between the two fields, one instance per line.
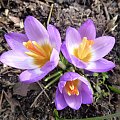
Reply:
x=53 y=81
x=61 y=65
x=53 y=75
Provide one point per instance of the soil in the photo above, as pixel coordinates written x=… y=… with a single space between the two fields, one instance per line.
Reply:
x=15 y=105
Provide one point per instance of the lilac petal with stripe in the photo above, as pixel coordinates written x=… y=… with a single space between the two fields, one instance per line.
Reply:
x=101 y=65
x=59 y=100
x=69 y=76
x=35 y=31
x=77 y=62
x=30 y=76
x=87 y=94
x=35 y=75
x=54 y=37
x=65 y=52
x=15 y=41
x=54 y=57
x=87 y=29
x=17 y=60
x=102 y=46
x=73 y=39
x=72 y=59
x=61 y=85
x=73 y=101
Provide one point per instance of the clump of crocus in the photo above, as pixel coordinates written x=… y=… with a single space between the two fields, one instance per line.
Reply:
x=37 y=50
x=84 y=50
x=73 y=90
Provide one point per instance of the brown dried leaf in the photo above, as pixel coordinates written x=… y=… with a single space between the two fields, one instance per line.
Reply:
x=16 y=20
x=111 y=24
x=34 y=86
x=20 y=89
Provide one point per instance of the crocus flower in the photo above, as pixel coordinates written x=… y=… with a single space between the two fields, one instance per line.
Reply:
x=37 y=50
x=84 y=50
x=73 y=90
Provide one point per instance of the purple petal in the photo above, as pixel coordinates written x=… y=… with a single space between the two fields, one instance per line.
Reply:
x=35 y=31
x=69 y=76
x=85 y=81
x=54 y=37
x=15 y=41
x=101 y=65
x=17 y=60
x=30 y=76
x=65 y=52
x=59 y=100
x=77 y=62
x=72 y=59
x=88 y=30
x=73 y=39
x=61 y=85
x=54 y=56
x=87 y=94
x=102 y=46
x=73 y=101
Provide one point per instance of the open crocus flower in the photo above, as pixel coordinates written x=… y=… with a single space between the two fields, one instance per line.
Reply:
x=84 y=50
x=37 y=50
x=73 y=90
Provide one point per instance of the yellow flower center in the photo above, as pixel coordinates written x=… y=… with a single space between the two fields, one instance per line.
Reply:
x=83 y=52
x=71 y=87
x=40 y=53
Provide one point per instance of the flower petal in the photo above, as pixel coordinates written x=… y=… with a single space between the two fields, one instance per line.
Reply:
x=30 y=76
x=54 y=57
x=73 y=101
x=35 y=31
x=102 y=46
x=54 y=37
x=87 y=29
x=69 y=76
x=65 y=52
x=73 y=39
x=72 y=59
x=61 y=85
x=77 y=62
x=17 y=60
x=101 y=65
x=15 y=41
x=59 y=100
x=87 y=94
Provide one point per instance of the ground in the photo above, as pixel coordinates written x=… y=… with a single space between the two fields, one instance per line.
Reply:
x=18 y=105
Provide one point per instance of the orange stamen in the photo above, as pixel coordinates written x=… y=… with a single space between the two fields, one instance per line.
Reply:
x=40 y=53
x=71 y=87
x=83 y=52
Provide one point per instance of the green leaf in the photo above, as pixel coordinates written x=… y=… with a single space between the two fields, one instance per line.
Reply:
x=95 y=74
x=62 y=59
x=53 y=75
x=53 y=81
x=114 y=89
x=55 y=113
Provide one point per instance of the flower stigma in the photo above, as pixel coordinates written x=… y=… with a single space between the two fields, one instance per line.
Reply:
x=71 y=87
x=40 y=53
x=83 y=52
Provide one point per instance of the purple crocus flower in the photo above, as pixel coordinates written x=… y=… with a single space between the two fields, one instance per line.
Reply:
x=73 y=90
x=84 y=50
x=37 y=50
